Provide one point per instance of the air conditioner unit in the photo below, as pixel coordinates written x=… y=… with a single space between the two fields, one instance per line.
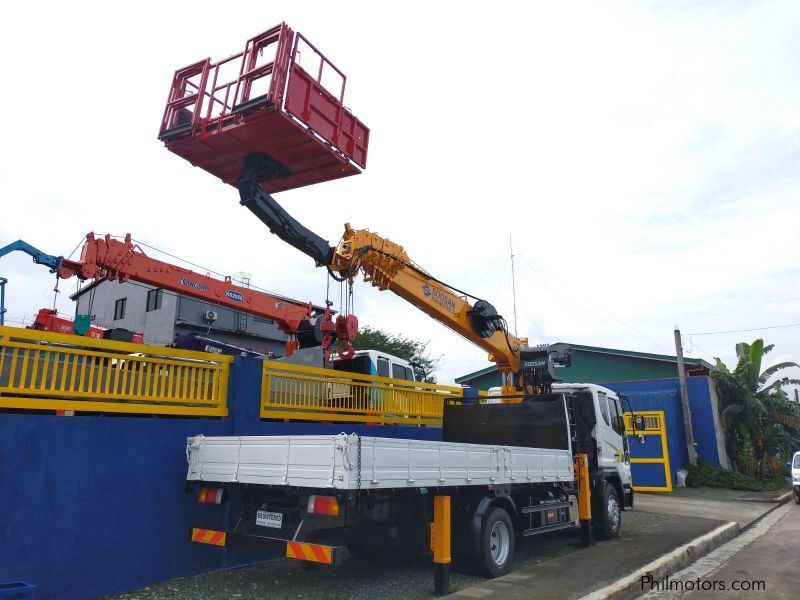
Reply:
x=210 y=316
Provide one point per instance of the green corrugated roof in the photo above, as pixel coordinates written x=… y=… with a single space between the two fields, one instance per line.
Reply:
x=600 y=350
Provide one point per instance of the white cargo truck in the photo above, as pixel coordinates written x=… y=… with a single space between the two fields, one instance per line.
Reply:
x=509 y=470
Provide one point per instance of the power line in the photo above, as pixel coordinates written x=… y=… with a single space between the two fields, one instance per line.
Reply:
x=222 y=275
x=596 y=310
x=746 y=330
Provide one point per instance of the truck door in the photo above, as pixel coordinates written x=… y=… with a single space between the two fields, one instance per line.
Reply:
x=609 y=435
x=618 y=426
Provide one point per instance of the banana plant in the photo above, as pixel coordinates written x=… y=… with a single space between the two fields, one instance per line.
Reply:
x=751 y=407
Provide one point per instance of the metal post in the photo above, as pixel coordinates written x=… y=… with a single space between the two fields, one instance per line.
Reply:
x=3 y=282
x=687 y=412
x=584 y=497
x=440 y=544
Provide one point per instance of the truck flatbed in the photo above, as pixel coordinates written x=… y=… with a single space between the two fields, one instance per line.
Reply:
x=351 y=462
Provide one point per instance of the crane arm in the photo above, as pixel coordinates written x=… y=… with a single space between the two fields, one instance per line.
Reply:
x=39 y=257
x=105 y=257
x=383 y=263
x=259 y=168
x=386 y=266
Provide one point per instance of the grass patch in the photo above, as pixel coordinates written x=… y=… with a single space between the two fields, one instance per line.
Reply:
x=706 y=475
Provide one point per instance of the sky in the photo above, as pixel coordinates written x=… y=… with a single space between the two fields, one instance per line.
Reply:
x=642 y=158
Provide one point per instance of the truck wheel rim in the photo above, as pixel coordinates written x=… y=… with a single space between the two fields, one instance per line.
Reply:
x=499 y=540
x=613 y=513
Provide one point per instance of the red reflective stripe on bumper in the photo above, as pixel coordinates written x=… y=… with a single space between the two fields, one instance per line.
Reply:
x=310 y=552
x=208 y=536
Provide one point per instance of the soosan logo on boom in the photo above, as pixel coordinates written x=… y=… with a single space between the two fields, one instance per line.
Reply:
x=439 y=297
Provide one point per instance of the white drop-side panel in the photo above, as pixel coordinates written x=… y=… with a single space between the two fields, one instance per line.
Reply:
x=317 y=461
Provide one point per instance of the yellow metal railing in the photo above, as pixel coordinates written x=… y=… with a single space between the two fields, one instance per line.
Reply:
x=299 y=392
x=54 y=371
x=652 y=424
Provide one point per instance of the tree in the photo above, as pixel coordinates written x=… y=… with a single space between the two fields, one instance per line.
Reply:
x=397 y=345
x=761 y=424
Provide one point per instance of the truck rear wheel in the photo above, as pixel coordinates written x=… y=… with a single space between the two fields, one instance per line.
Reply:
x=496 y=544
x=609 y=522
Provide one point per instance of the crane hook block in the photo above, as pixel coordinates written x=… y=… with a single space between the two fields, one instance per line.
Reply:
x=347 y=328
x=289 y=107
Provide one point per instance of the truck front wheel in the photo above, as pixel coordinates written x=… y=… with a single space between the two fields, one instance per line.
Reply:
x=609 y=517
x=797 y=495
x=496 y=545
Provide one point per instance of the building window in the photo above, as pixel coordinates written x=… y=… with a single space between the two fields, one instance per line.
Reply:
x=119 y=309
x=154 y=299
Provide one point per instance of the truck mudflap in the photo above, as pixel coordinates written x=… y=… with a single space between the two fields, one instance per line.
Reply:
x=329 y=555
x=627 y=500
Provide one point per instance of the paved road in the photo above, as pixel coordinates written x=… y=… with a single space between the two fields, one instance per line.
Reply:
x=724 y=510
x=762 y=562
x=545 y=564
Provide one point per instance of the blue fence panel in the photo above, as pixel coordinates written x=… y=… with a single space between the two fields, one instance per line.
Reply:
x=664 y=394
x=648 y=475
x=703 y=421
x=96 y=505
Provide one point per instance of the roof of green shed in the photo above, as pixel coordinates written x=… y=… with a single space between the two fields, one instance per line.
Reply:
x=600 y=350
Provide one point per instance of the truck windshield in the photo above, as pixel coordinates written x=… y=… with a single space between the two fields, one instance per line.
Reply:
x=796 y=464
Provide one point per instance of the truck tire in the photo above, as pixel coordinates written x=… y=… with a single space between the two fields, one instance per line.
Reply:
x=496 y=543
x=796 y=494
x=609 y=514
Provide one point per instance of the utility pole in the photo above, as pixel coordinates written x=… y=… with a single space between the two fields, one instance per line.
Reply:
x=687 y=413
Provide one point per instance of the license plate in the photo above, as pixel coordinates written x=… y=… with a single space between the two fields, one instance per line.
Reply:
x=269 y=519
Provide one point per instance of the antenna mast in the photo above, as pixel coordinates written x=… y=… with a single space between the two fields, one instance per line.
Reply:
x=513 y=284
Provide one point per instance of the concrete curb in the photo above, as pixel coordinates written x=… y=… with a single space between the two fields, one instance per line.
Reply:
x=630 y=586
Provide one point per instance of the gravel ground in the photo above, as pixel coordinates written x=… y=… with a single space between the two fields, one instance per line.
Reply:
x=357 y=579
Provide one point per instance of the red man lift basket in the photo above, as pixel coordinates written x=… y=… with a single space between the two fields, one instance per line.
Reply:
x=280 y=96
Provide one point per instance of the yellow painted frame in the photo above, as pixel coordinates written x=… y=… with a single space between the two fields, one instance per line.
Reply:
x=654 y=425
x=41 y=370
x=306 y=393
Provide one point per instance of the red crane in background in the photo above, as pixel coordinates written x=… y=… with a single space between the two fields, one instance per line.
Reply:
x=107 y=258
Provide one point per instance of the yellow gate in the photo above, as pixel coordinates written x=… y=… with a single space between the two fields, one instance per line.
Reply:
x=649 y=460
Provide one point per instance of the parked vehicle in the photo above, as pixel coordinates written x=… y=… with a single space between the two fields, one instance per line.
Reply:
x=795 y=468
x=509 y=470
x=376 y=363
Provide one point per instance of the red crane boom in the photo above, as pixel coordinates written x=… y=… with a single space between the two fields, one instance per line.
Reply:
x=108 y=258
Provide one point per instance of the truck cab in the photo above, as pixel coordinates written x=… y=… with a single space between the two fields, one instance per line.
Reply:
x=377 y=363
x=795 y=468
x=613 y=450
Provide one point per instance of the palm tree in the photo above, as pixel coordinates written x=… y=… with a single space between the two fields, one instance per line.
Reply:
x=761 y=425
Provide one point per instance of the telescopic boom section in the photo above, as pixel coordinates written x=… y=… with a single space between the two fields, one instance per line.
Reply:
x=109 y=258
x=384 y=264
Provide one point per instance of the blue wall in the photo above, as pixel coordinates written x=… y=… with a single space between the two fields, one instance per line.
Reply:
x=664 y=394
x=96 y=505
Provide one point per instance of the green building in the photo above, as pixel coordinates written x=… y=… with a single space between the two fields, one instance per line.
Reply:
x=591 y=364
